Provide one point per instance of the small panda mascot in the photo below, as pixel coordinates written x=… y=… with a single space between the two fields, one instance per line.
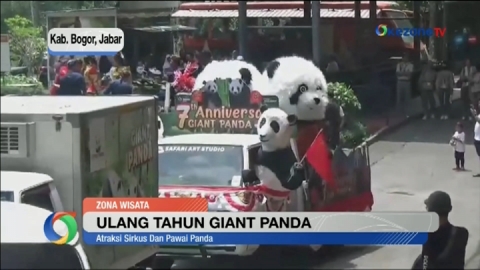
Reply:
x=302 y=91
x=276 y=167
x=234 y=78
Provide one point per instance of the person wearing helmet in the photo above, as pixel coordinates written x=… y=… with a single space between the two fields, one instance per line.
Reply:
x=445 y=248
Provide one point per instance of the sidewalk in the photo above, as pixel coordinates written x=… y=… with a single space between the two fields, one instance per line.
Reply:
x=381 y=123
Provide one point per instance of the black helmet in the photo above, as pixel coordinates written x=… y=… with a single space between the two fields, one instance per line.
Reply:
x=439 y=202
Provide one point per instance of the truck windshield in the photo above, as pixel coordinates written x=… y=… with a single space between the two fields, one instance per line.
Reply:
x=39 y=256
x=199 y=165
x=7 y=196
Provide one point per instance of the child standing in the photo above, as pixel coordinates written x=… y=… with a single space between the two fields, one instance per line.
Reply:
x=458 y=143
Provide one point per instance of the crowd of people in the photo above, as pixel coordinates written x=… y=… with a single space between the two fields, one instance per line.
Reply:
x=88 y=77
x=437 y=82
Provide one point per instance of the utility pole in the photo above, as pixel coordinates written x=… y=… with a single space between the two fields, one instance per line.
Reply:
x=432 y=11
x=32 y=12
x=316 y=32
x=242 y=29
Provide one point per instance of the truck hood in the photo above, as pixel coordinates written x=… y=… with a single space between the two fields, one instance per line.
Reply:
x=220 y=199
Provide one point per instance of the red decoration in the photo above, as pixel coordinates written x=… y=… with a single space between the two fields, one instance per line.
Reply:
x=472 y=40
x=184 y=81
x=256 y=98
x=197 y=96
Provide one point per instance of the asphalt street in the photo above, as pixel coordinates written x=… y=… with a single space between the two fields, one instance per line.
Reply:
x=407 y=166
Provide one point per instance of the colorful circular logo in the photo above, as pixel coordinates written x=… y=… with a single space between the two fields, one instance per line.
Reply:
x=381 y=30
x=69 y=221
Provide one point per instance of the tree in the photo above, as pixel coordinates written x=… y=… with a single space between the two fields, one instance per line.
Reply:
x=34 y=10
x=27 y=45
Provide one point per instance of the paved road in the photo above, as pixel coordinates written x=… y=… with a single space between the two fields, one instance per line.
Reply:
x=407 y=166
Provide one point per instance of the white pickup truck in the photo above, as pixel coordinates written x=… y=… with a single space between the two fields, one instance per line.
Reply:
x=24 y=245
x=58 y=150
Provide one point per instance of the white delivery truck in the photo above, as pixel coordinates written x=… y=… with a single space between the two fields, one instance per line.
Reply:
x=58 y=150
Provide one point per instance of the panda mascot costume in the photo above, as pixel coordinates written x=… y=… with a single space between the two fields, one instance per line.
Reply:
x=276 y=166
x=302 y=91
x=236 y=79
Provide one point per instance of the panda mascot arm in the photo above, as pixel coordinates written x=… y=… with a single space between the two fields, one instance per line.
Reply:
x=277 y=166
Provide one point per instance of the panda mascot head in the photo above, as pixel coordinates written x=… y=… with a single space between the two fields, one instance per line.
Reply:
x=299 y=85
x=233 y=78
x=276 y=164
x=302 y=90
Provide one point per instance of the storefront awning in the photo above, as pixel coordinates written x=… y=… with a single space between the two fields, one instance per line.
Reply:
x=270 y=13
x=166 y=28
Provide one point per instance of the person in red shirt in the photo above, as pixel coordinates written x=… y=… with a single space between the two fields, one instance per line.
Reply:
x=62 y=72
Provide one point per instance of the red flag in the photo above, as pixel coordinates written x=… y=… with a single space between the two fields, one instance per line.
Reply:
x=319 y=157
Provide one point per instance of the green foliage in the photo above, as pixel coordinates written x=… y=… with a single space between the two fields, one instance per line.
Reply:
x=35 y=10
x=345 y=97
x=20 y=85
x=354 y=132
x=354 y=135
x=27 y=46
x=19 y=79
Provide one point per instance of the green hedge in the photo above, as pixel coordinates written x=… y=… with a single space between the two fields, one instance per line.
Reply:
x=21 y=85
x=354 y=132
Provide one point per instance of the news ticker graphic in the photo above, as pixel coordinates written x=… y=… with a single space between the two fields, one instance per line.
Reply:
x=85 y=41
x=186 y=221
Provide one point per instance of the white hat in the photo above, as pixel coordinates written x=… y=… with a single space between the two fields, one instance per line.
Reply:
x=240 y=57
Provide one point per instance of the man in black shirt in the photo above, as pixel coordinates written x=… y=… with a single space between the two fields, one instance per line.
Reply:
x=73 y=84
x=445 y=248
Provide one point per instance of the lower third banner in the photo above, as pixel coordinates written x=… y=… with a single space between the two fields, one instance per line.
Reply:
x=344 y=238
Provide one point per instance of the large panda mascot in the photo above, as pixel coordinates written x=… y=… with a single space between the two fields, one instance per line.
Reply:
x=302 y=91
x=237 y=79
x=276 y=166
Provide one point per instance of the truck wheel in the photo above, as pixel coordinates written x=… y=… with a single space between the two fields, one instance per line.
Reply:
x=161 y=263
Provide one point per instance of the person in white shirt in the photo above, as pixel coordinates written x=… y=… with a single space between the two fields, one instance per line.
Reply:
x=444 y=84
x=475 y=87
x=466 y=76
x=404 y=84
x=458 y=143
x=476 y=138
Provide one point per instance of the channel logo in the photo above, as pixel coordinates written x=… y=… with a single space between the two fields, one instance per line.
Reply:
x=68 y=219
x=381 y=30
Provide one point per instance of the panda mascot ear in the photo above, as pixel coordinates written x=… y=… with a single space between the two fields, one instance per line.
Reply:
x=263 y=108
x=292 y=119
x=271 y=68
x=246 y=75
